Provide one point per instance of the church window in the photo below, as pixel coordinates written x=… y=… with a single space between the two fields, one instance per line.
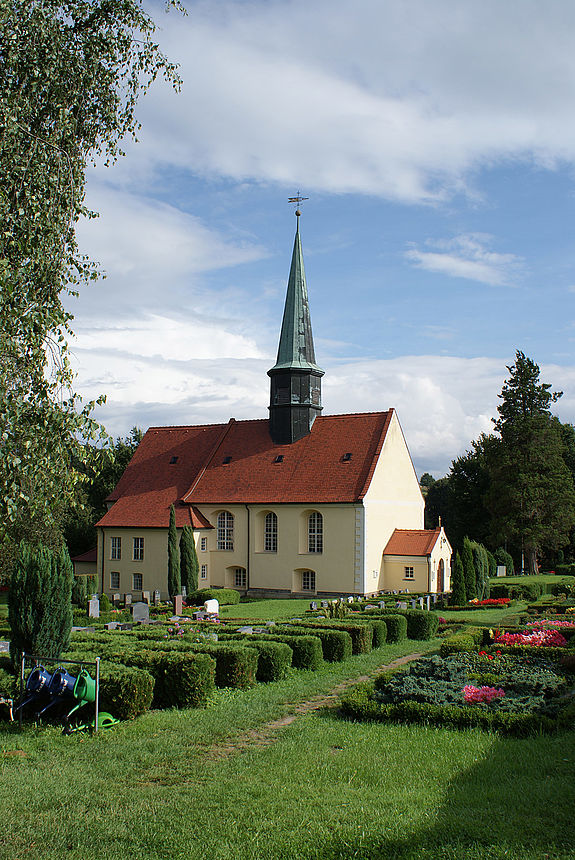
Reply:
x=240 y=578
x=115 y=580
x=409 y=573
x=271 y=533
x=308 y=580
x=225 y=530
x=138 y=549
x=315 y=532
x=116 y=548
x=203 y=544
x=204 y=571
x=137 y=582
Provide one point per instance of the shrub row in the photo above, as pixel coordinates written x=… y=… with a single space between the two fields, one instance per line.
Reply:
x=357 y=704
x=361 y=634
x=182 y=680
x=421 y=625
x=306 y=650
x=125 y=691
x=335 y=644
x=468 y=639
x=224 y=596
x=518 y=591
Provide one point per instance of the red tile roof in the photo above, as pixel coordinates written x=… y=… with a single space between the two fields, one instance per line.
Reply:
x=186 y=464
x=90 y=556
x=412 y=542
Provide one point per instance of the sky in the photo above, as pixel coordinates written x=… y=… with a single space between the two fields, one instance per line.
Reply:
x=436 y=145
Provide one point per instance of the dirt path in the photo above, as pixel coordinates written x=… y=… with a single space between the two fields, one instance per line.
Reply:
x=266 y=734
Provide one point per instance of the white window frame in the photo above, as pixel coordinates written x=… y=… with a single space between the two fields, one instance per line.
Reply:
x=204 y=571
x=225 y=531
x=114 y=584
x=271 y=532
x=315 y=532
x=408 y=572
x=116 y=548
x=240 y=577
x=138 y=549
x=141 y=585
x=203 y=544
x=308 y=580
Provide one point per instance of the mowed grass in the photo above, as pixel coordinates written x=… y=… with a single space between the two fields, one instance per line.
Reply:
x=160 y=787
x=265 y=610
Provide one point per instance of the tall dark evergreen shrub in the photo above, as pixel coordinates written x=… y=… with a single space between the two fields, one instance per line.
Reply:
x=189 y=565
x=40 y=602
x=469 y=569
x=503 y=557
x=174 y=581
x=458 y=593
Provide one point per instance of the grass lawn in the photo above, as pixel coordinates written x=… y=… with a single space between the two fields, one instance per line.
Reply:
x=159 y=787
x=266 y=610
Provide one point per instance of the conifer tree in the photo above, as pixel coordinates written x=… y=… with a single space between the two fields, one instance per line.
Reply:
x=174 y=581
x=189 y=565
x=469 y=570
x=458 y=593
x=40 y=602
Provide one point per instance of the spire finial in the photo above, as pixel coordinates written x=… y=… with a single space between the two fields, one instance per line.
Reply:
x=297 y=200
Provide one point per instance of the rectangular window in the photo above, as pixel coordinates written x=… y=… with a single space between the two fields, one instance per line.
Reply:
x=308 y=580
x=116 y=548
x=138 y=549
x=409 y=573
x=137 y=582
x=225 y=530
x=115 y=580
x=203 y=544
x=204 y=571
x=240 y=578
x=315 y=533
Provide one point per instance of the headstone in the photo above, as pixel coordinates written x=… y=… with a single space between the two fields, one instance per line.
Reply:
x=501 y=570
x=324 y=604
x=127 y=625
x=246 y=630
x=434 y=598
x=4 y=647
x=141 y=612
x=313 y=605
x=184 y=592
x=413 y=604
x=199 y=616
x=340 y=600
x=177 y=604
x=174 y=619
x=146 y=596
x=94 y=608
x=402 y=604
x=350 y=599
x=112 y=625
x=382 y=604
x=128 y=599
x=83 y=629
x=370 y=606
x=212 y=607
x=420 y=601
x=116 y=598
x=428 y=603
x=394 y=592
x=270 y=624
x=156 y=597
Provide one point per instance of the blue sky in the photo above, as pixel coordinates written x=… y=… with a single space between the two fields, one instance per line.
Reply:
x=436 y=142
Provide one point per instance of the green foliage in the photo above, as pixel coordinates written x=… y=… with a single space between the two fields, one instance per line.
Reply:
x=275 y=659
x=236 y=665
x=380 y=633
x=182 y=680
x=189 y=565
x=174 y=583
x=306 y=650
x=79 y=593
x=504 y=558
x=481 y=565
x=125 y=692
x=224 y=596
x=469 y=571
x=458 y=590
x=396 y=628
x=361 y=634
x=39 y=602
x=492 y=562
x=336 y=644
x=105 y=605
x=72 y=71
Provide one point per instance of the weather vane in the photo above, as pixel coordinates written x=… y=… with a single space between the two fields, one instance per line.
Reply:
x=297 y=200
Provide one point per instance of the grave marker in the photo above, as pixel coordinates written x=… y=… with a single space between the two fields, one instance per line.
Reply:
x=94 y=608
x=141 y=612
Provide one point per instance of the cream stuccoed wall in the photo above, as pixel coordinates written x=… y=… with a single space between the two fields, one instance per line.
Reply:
x=395 y=572
x=441 y=550
x=392 y=501
x=153 y=567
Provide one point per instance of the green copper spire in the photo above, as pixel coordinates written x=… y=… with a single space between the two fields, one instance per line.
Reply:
x=296 y=348
x=295 y=379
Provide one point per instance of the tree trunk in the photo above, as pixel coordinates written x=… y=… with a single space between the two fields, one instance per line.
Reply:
x=532 y=563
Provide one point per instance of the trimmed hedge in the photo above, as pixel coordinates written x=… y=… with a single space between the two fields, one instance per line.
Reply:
x=9 y=685
x=468 y=639
x=421 y=624
x=396 y=628
x=224 y=596
x=336 y=645
x=236 y=666
x=182 y=680
x=361 y=634
x=275 y=659
x=126 y=692
x=518 y=591
x=306 y=650
x=357 y=704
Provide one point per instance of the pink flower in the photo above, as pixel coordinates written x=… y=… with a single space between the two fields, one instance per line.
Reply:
x=474 y=695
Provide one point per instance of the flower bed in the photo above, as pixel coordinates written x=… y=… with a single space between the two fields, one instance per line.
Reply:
x=535 y=639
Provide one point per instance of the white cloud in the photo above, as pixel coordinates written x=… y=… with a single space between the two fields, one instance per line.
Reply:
x=467 y=256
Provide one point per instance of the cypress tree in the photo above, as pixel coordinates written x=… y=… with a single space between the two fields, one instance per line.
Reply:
x=481 y=564
x=189 y=565
x=458 y=594
x=40 y=602
x=469 y=569
x=174 y=582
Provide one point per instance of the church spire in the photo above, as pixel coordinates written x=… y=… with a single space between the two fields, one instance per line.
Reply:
x=295 y=399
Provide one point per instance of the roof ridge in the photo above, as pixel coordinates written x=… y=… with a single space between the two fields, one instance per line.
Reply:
x=209 y=458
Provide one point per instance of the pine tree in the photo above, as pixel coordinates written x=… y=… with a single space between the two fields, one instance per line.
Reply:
x=469 y=570
x=174 y=582
x=189 y=565
x=458 y=593
x=40 y=602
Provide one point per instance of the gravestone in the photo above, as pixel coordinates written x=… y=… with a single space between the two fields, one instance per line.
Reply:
x=141 y=612
x=434 y=598
x=4 y=647
x=246 y=630
x=382 y=604
x=324 y=604
x=112 y=625
x=370 y=606
x=402 y=604
x=428 y=603
x=501 y=570
x=350 y=599
x=413 y=604
x=94 y=608
x=394 y=592
x=313 y=605
x=126 y=625
x=156 y=597
x=177 y=604
x=200 y=615
x=270 y=624
x=127 y=599
x=420 y=601
x=146 y=596
x=83 y=629
x=184 y=592
x=116 y=598
x=212 y=607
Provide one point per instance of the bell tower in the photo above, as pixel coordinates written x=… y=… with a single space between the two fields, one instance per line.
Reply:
x=295 y=378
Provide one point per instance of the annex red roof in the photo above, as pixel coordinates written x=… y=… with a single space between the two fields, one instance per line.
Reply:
x=90 y=556
x=237 y=463
x=412 y=542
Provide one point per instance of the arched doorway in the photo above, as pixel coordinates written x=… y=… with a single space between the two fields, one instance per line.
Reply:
x=440 y=577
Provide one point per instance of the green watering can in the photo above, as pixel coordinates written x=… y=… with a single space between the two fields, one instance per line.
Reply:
x=84 y=691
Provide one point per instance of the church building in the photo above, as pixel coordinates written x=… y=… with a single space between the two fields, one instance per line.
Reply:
x=298 y=504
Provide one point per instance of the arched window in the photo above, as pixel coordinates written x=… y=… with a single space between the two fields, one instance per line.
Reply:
x=271 y=533
x=225 y=530
x=315 y=532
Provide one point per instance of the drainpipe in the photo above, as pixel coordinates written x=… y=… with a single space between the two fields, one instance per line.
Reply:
x=102 y=562
x=248 y=554
x=429 y=575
